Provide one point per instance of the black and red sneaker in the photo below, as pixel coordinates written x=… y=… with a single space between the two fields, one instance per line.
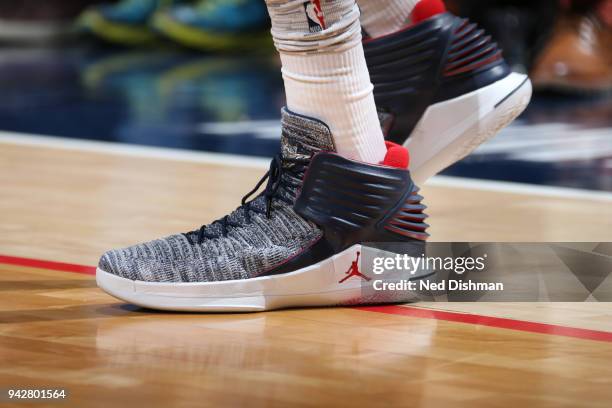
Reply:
x=310 y=238
x=442 y=87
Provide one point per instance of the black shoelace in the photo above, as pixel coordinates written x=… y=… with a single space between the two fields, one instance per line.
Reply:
x=276 y=184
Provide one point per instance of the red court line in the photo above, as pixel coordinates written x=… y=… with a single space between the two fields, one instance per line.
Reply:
x=55 y=266
x=498 y=322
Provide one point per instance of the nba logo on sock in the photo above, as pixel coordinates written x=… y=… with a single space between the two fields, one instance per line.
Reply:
x=314 y=15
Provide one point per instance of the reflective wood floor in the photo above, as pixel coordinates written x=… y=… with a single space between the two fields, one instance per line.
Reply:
x=58 y=330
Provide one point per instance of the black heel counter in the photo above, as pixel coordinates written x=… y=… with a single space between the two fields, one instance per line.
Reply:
x=355 y=202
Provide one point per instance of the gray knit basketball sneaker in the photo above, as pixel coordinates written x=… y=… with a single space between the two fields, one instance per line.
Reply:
x=290 y=246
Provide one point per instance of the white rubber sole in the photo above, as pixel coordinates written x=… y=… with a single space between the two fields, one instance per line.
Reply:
x=450 y=130
x=317 y=285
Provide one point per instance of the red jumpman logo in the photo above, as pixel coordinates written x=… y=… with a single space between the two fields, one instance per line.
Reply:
x=354 y=270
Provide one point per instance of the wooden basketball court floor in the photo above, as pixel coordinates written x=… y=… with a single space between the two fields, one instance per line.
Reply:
x=62 y=205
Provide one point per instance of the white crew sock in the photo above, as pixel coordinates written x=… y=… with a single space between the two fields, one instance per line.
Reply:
x=382 y=17
x=325 y=72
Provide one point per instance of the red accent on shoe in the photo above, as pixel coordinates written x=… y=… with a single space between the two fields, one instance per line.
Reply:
x=469 y=65
x=397 y=156
x=425 y=9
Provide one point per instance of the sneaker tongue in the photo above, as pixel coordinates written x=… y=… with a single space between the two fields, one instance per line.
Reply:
x=303 y=136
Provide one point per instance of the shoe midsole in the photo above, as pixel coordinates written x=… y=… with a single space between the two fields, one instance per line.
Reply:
x=318 y=284
x=450 y=130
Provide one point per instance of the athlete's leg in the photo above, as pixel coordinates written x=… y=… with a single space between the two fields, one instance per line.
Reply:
x=334 y=187
x=325 y=72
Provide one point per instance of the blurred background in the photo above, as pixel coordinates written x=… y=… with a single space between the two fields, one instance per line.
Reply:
x=203 y=75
